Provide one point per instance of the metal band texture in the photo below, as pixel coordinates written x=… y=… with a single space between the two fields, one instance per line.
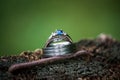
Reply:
x=53 y=51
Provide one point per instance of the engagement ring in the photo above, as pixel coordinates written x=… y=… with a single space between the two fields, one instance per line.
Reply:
x=59 y=43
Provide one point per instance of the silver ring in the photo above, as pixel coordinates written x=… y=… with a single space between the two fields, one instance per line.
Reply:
x=59 y=43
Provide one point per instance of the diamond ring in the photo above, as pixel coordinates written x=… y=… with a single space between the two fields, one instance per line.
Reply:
x=59 y=43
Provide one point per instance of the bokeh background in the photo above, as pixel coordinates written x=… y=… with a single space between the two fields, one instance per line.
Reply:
x=27 y=24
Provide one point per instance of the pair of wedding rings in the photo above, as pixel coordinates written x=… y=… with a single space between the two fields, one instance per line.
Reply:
x=58 y=44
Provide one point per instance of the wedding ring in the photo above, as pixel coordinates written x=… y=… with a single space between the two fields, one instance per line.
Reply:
x=59 y=43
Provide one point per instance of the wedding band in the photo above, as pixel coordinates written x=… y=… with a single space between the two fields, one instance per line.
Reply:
x=59 y=43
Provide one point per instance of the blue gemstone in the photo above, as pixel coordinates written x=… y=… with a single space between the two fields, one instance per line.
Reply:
x=59 y=32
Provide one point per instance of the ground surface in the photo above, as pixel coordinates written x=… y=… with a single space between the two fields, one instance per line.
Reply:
x=103 y=65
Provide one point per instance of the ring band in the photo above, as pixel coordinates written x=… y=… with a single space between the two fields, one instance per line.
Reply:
x=58 y=44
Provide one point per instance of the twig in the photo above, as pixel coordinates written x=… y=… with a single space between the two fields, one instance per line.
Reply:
x=25 y=65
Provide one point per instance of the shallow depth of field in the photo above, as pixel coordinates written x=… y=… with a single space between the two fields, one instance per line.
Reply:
x=27 y=24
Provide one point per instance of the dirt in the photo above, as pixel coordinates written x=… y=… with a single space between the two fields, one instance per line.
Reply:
x=103 y=65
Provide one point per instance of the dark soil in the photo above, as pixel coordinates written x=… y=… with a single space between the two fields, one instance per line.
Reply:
x=103 y=65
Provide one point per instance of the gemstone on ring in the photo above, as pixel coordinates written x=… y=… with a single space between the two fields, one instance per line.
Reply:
x=59 y=32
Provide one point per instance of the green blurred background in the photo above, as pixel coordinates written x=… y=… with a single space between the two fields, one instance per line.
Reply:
x=27 y=24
